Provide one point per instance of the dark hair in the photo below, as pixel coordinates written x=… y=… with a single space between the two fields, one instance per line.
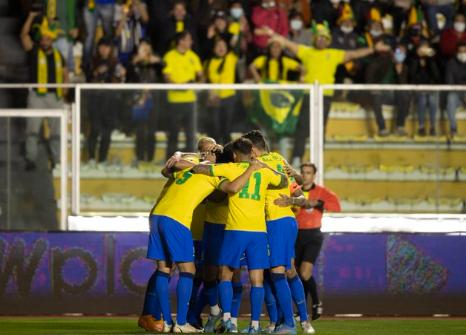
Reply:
x=226 y=155
x=220 y=68
x=309 y=164
x=242 y=145
x=268 y=58
x=257 y=138
x=179 y=36
x=179 y=2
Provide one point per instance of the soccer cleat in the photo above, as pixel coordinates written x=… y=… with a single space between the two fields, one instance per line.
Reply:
x=225 y=327
x=167 y=328
x=269 y=329
x=211 y=322
x=316 y=311
x=149 y=323
x=285 y=329
x=234 y=328
x=307 y=327
x=253 y=330
x=186 y=328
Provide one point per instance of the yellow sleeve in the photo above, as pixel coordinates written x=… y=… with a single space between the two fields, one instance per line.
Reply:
x=303 y=51
x=227 y=170
x=212 y=73
x=338 y=55
x=168 y=69
x=272 y=177
x=259 y=62
x=290 y=63
x=197 y=63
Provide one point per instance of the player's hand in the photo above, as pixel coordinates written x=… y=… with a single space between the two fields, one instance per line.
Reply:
x=289 y=170
x=173 y=160
x=283 y=201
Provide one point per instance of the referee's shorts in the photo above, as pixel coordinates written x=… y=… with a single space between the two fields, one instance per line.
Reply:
x=308 y=245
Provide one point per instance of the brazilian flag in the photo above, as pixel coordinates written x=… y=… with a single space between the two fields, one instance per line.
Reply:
x=275 y=110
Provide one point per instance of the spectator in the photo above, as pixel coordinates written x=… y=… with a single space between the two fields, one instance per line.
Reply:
x=325 y=11
x=456 y=75
x=264 y=17
x=144 y=68
x=363 y=12
x=46 y=65
x=274 y=66
x=300 y=6
x=102 y=106
x=65 y=14
x=182 y=65
x=178 y=22
x=401 y=98
x=416 y=31
x=399 y=11
x=220 y=69
x=344 y=38
x=378 y=66
x=239 y=28
x=218 y=29
x=131 y=28
x=320 y=64
x=298 y=33
x=423 y=70
x=452 y=36
x=93 y=11
x=434 y=7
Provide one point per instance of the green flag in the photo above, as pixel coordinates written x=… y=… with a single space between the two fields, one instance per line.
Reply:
x=276 y=110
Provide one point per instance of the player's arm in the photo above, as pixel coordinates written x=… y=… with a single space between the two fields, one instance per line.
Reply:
x=279 y=180
x=238 y=183
x=203 y=169
x=300 y=201
x=293 y=173
x=176 y=163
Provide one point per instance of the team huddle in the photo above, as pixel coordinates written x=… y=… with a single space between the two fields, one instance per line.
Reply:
x=228 y=208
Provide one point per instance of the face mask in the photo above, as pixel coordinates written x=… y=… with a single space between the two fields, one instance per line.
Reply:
x=399 y=56
x=236 y=12
x=347 y=29
x=376 y=33
x=335 y=2
x=459 y=26
x=296 y=24
x=461 y=57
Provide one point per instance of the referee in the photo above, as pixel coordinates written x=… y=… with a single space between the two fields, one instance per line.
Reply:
x=310 y=201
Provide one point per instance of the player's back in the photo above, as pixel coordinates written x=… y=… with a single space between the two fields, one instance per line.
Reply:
x=183 y=194
x=273 y=212
x=246 y=209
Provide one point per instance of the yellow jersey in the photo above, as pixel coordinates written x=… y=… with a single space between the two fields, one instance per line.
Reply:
x=273 y=71
x=217 y=212
x=222 y=71
x=183 y=194
x=320 y=65
x=246 y=209
x=273 y=212
x=197 y=225
x=182 y=68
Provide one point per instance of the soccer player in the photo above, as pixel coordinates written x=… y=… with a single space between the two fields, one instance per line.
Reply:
x=282 y=230
x=245 y=231
x=170 y=239
x=316 y=199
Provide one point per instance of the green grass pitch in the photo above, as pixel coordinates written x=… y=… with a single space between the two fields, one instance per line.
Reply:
x=127 y=326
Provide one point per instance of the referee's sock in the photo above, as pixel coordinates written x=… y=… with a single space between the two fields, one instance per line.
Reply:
x=151 y=302
x=161 y=286
x=313 y=291
x=225 y=292
x=284 y=297
x=297 y=292
x=257 y=299
x=270 y=301
x=183 y=294
x=236 y=302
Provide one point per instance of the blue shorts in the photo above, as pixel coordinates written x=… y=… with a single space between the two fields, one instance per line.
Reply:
x=198 y=250
x=169 y=240
x=282 y=234
x=213 y=239
x=237 y=243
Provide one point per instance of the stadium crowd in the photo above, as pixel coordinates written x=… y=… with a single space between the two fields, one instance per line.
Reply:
x=235 y=41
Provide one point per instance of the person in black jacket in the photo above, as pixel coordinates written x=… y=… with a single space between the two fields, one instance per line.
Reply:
x=456 y=75
x=423 y=69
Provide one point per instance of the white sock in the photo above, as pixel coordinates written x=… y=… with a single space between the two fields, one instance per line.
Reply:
x=214 y=310
x=234 y=321
x=226 y=316
x=255 y=324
